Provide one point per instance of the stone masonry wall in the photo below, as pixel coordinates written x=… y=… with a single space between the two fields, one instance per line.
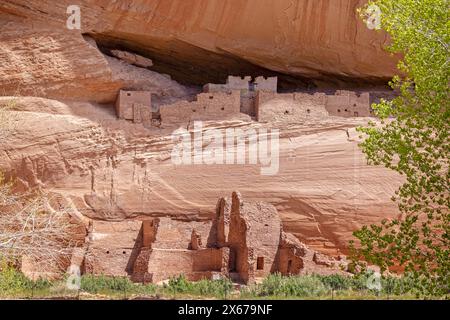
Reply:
x=247 y=89
x=135 y=106
x=194 y=264
x=255 y=230
x=208 y=106
x=244 y=241
x=176 y=234
x=113 y=246
x=349 y=104
x=272 y=106
x=269 y=84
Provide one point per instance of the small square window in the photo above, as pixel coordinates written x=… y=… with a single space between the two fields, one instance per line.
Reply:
x=260 y=263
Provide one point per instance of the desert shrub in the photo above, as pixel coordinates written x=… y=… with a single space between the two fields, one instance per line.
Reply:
x=393 y=285
x=14 y=282
x=292 y=286
x=205 y=287
x=390 y=285
x=97 y=284
x=336 y=282
x=145 y=289
x=179 y=284
x=215 y=288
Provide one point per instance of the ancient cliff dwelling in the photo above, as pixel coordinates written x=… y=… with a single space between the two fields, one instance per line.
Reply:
x=244 y=241
x=257 y=98
x=88 y=123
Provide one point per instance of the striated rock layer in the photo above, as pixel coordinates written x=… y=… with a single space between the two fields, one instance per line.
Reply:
x=70 y=142
x=113 y=169
x=198 y=41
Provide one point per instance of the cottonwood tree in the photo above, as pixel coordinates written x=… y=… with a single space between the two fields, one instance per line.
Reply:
x=413 y=140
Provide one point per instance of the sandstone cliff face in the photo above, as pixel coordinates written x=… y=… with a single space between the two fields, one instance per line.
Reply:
x=196 y=40
x=40 y=61
x=112 y=170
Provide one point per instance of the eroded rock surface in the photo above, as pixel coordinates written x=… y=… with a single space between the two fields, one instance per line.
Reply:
x=114 y=169
x=201 y=41
x=63 y=134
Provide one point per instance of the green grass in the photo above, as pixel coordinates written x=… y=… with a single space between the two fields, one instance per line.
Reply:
x=204 y=288
x=14 y=284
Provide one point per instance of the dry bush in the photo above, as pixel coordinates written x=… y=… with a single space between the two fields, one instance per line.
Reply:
x=31 y=228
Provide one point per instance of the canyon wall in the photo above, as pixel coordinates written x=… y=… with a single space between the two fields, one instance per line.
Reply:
x=195 y=40
x=110 y=169
x=113 y=170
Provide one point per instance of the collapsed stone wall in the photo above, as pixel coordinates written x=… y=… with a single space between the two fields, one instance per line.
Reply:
x=259 y=246
x=168 y=252
x=292 y=256
x=222 y=221
x=176 y=234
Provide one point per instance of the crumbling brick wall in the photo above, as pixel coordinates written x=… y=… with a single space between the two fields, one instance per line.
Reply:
x=290 y=255
x=208 y=106
x=167 y=251
x=233 y=84
x=222 y=221
x=176 y=234
x=263 y=236
x=149 y=233
x=238 y=83
x=237 y=242
x=254 y=237
x=245 y=241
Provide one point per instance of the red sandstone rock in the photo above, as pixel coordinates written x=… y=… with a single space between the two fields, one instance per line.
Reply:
x=309 y=38
x=132 y=58
x=114 y=170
